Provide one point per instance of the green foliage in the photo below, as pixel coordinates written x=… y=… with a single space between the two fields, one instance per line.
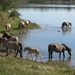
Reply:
x=6 y=4
x=14 y=13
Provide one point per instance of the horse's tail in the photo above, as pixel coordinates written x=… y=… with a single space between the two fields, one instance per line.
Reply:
x=49 y=50
x=20 y=46
x=20 y=49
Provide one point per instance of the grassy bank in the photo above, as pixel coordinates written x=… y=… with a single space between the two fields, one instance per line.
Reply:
x=5 y=19
x=16 y=66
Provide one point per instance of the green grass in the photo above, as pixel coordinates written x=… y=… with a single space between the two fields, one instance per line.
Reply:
x=16 y=66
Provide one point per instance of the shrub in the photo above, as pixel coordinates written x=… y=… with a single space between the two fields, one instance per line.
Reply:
x=14 y=13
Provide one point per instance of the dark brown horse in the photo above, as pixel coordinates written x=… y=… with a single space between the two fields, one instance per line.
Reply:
x=12 y=45
x=58 y=48
x=66 y=24
x=10 y=37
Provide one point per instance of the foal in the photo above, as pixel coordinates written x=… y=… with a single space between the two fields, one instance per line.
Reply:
x=31 y=51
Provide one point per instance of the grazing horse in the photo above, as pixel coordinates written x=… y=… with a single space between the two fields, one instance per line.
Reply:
x=27 y=22
x=67 y=24
x=10 y=37
x=8 y=26
x=58 y=48
x=21 y=24
x=31 y=51
x=12 y=45
x=1 y=35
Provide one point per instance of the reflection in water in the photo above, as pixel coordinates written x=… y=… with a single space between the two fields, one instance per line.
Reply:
x=62 y=60
x=47 y=7
x=24 y=33
x=66 y=30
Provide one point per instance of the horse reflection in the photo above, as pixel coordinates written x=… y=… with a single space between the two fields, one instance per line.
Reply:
x=24 y=33
x=65 y=29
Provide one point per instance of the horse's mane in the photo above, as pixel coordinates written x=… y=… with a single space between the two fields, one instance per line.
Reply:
x=67 y=48
x=7 y=35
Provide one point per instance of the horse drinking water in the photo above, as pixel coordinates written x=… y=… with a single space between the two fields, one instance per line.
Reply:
x=58 y=48
x=31 y=51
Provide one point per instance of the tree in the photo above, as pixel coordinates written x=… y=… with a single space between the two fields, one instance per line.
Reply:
x=6 y=4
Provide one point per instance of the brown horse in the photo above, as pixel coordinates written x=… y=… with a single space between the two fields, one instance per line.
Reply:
x=31 y=51
x=67 y=24
x=12 y=45
x=10 y=37
x=8 y=26
x=58 y=48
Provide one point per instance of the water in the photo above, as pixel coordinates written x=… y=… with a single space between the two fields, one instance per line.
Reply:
x=50 y=18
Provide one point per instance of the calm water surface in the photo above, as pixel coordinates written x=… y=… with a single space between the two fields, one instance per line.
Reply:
x=50 y=18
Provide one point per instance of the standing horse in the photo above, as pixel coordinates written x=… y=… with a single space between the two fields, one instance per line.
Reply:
x=10 y=37
x=67 y=24
x=31 y=51
x=12 y=45
x=8 y=26
x=58 y=48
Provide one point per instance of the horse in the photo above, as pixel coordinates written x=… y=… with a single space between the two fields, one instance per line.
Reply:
x=58 y=48
x=1 y=35
x=33 y=51
x=8 y=26
x=10 y=37
x=67 y=24
x=21 y=25
x=12 y=45
x=27 y=22
x=24 y=24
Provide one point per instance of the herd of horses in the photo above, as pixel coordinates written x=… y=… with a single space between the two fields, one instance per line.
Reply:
x=11 y=42
x=22 y=24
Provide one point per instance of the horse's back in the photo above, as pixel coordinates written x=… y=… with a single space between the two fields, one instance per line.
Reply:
x=56 y=47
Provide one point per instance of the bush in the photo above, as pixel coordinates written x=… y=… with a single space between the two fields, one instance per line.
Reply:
x=14 y=13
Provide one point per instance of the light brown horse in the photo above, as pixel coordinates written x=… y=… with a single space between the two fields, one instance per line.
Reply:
x=12 y=45
x=8 y=26
x=1 y=35
x=67 y=24
x=58 y=48
x=33 y=51
x=10 y=37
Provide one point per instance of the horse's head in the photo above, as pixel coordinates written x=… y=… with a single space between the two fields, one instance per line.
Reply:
x=7 y=35
x=25 y=49
x=70 y=24
x=68 y=49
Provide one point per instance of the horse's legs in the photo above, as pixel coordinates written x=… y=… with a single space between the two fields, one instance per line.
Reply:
x=16 y=53
x=31 y=56
x=51 y=54
x=63 y=54
x=27 y=55
x=40 y=57
x=20 y=53
x=7 y=51
x=36 y=57
x=59 y=55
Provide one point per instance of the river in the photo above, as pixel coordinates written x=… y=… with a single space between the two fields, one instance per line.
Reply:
x=50 y=18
